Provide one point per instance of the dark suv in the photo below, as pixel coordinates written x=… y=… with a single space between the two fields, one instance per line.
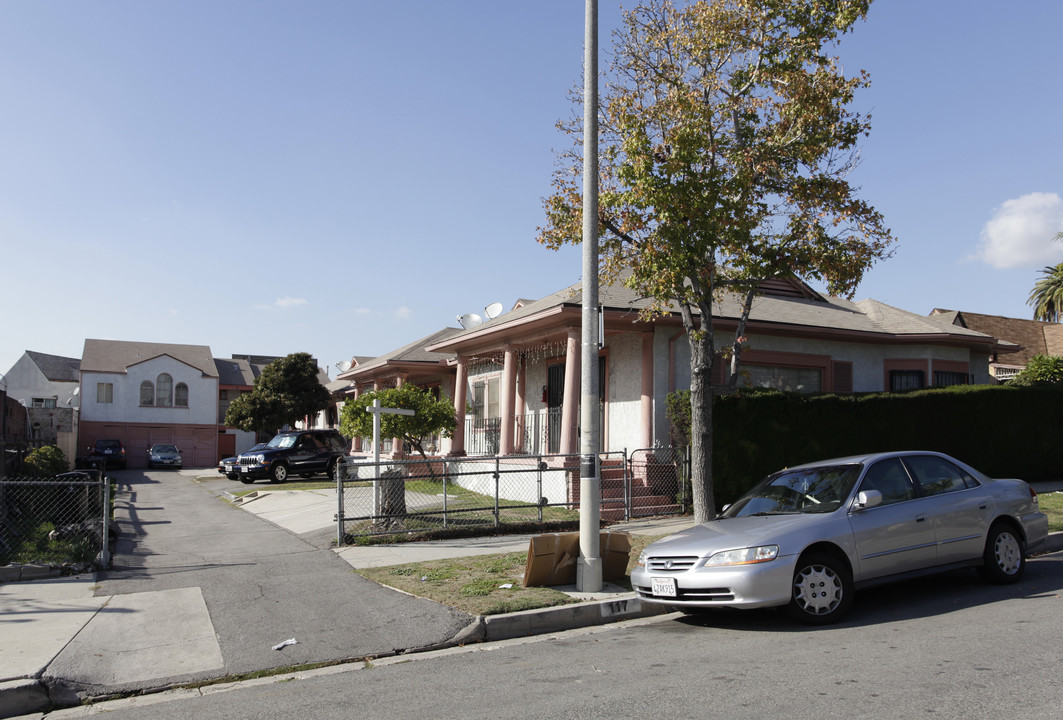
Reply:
x=106 y=453
x=302 y=453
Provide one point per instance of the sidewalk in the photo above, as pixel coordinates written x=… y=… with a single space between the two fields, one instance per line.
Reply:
x=212 y=598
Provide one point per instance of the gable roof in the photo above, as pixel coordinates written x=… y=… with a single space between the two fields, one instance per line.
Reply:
x=413 y=354
x=56 y=367
x=1031 y=337
x=116 y=356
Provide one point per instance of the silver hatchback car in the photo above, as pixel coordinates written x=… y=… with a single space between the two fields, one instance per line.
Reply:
x=807 y=537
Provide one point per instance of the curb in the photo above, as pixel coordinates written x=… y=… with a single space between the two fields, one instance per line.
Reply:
x=19 y=697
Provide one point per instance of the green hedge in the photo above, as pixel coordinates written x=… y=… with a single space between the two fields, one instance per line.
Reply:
x=1002 y=431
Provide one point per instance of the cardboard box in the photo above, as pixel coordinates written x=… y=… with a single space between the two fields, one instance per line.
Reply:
x=552 y=558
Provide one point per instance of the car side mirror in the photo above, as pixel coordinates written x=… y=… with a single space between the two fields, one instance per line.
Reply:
x=867 y=499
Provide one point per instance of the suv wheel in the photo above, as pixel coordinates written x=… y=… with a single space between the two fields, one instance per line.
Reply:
x=278 y=473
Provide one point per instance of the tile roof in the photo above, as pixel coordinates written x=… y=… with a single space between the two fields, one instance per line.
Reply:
x=115 y=356
x=1034 y=336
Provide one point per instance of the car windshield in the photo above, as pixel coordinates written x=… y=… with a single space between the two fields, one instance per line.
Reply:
x=163 y=448
x=808 y=490
x=282 y=441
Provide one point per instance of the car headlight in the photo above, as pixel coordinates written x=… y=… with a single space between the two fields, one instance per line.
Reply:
x=744 y=556
x=642 y=560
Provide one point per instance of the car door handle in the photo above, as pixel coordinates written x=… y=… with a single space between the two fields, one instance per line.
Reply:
x=920 y=518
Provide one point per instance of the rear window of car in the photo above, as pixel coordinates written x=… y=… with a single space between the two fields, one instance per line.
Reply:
x=937 y=476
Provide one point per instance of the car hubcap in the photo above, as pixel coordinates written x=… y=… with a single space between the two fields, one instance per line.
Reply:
x=1008 y=553
x=817 y=589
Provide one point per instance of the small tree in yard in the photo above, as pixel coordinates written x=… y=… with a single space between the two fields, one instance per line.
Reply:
x=726 y=144
x=432 y=416
x=287 y=391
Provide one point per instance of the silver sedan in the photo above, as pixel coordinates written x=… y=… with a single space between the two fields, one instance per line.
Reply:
x=807 y=537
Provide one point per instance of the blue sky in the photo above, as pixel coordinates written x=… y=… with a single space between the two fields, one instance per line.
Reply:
x=344 y=177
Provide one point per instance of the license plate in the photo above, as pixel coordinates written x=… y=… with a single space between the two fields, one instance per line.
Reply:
x=663 y=586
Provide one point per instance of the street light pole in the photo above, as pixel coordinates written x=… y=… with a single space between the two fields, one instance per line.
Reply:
x=589 y=565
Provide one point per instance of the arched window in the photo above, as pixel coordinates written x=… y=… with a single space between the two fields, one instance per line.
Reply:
x=180 y=395
x=164 y=390
x=147 y=393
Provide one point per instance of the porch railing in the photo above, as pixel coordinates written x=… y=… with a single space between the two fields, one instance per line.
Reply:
x=535 y=433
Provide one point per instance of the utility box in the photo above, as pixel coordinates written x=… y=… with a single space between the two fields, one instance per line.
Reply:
x=552 y=558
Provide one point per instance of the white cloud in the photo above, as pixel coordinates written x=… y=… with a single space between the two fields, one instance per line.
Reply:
x=362 y=311
x=1021 y=232
x=289 y=302
x=403 y=313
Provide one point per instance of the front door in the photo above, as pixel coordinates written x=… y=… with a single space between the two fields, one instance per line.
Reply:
x=555 y=394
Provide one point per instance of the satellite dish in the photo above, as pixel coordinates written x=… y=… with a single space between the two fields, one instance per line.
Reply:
x=343 y=365
x=470 y=320
x=493 y=310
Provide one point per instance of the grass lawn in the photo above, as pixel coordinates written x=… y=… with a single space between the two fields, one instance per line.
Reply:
x=475 y=584
x=1052 y=506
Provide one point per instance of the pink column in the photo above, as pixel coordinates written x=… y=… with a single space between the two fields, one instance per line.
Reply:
x=461 y=383
x=508 y=390
x=519 y=409
x=647 y=390
x=570 y=403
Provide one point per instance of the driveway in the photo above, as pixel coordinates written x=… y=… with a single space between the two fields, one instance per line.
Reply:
x=200 y=588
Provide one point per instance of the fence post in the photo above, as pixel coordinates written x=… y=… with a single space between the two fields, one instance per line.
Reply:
x=628 y=496
x=341 y=475
x=446 y=476
x=540 y=466
x=105 y=549
x=497 y=488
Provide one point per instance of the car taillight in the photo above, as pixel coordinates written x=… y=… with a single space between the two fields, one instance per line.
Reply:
x=1033 y=495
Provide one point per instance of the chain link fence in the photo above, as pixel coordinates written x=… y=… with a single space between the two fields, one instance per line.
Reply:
x=62 y=521
x=448 y=494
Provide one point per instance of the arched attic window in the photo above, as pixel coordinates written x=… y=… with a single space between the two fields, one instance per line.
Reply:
x=180 y=395
x=164 y=390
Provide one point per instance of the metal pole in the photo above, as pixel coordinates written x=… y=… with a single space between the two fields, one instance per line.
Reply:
x=105 y=551
x=341 y=475
x=589 y=565
x=376 y=459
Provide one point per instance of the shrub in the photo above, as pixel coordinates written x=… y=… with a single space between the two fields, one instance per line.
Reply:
x=45 y=462
x=1040 y=370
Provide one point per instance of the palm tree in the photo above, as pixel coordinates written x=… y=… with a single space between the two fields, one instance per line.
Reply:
x=1047 y=295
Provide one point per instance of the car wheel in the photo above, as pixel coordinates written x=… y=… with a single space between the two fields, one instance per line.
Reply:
x=1004 y=559
x=234 y=476
x=278 y=473
x=331 y=471
x=822 y=590
x=246 y=480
